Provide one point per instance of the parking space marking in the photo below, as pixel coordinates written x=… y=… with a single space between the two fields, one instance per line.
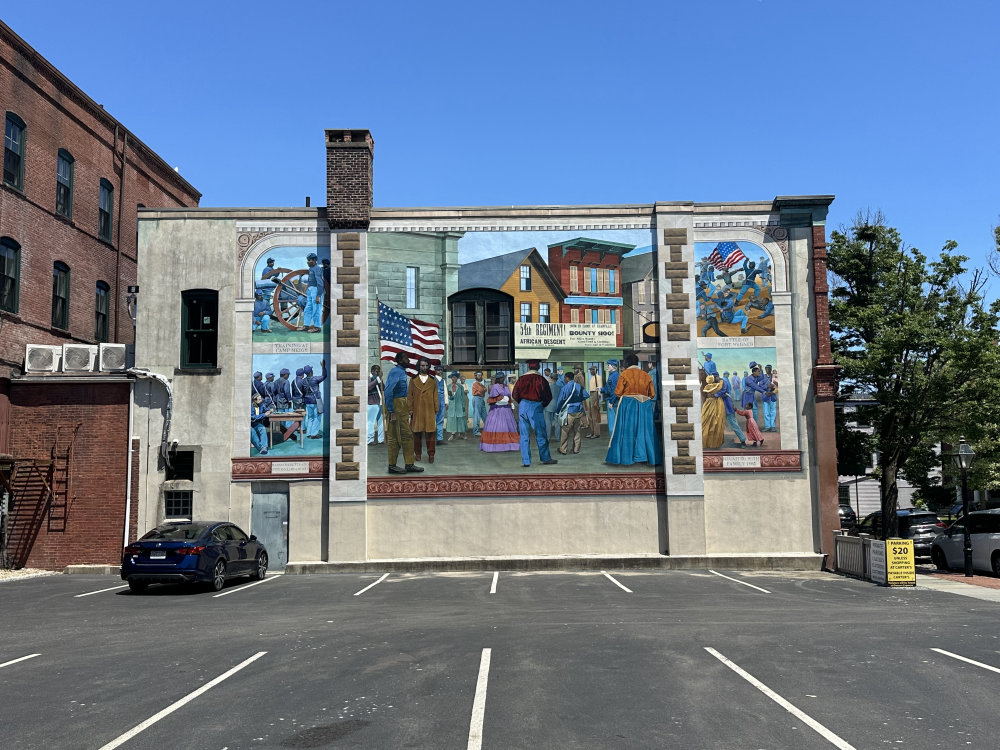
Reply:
x=616 y=583
x=479 y=702
x=736 y=580
x=15 y=661
x=496 y=577
x=946 y=653
x=101 y=591
x=802 y=716
x=121 y=740
x=371 y=585
x=247 y=586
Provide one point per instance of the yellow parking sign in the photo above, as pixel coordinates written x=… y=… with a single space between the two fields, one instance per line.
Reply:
x=899 y=565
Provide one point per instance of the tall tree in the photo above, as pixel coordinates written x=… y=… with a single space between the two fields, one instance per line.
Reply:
x=918 y=336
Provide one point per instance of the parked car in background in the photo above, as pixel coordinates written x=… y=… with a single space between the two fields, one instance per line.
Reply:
x=848 y=518
x=919 y=525
x=948 y=548
x=185 y=552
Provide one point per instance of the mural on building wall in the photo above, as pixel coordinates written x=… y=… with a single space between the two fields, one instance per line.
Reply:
x=740 y=397
x=733 y=289
x=494 y=325
x=291 y=294
x=289 y=398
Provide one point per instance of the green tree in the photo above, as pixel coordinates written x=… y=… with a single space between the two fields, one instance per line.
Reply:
x=916 y=335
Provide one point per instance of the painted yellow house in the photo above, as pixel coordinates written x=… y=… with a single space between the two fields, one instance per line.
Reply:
x=493 y=295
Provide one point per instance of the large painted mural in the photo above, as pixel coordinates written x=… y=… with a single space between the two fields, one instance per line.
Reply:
x=737 y=352
x=290 y=379
x=492 y=324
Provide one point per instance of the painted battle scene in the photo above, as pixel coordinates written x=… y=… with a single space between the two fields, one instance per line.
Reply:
x=740 y=397
x=512 y=362
x=289 y=396
x=733 y=283
x=291 y=294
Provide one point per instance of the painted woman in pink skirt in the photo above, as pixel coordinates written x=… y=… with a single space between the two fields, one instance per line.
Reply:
x=753 y=431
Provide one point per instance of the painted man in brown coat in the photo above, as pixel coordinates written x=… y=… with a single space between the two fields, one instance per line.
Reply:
x=422 y=399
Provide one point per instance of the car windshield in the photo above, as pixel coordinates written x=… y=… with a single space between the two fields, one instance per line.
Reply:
x=177 y=533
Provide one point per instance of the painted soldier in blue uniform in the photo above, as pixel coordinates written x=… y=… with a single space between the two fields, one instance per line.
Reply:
x=261 y=313
x=258 y=385
x=314 y=401
x=751 y=272
x=259 y=409
x=314 y=296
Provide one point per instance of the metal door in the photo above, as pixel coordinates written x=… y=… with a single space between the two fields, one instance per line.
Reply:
x=269 y=523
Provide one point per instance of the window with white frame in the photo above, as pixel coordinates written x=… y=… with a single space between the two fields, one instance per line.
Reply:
x=525 y=312
x=543 y=312
x=526 y=278
x=412 y=286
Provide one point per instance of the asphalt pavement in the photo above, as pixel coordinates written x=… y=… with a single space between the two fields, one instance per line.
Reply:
x=616 y=659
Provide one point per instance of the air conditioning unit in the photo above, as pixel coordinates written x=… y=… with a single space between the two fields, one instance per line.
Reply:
x=79 y=357
x=112 y=357
x=42 y=358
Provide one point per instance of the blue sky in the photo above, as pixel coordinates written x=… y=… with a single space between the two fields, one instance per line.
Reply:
x=887 y=105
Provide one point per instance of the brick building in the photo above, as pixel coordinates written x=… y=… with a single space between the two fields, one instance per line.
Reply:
x=73 y=181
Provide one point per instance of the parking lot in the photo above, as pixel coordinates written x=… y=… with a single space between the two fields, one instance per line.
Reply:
x=683 y=659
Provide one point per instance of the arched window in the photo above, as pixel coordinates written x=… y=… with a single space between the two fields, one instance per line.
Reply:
x=199 y=328
x=64 y=184
x=101 y=311
x=60 y=295
x=10 y=274
x=13 y=151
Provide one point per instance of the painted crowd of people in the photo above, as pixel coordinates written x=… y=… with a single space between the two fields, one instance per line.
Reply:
x=555 y=410
x=722 y=299
x=754 y=398
x=293 y=404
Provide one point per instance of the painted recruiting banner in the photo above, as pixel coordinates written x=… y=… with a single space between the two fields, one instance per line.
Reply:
x=565 y=335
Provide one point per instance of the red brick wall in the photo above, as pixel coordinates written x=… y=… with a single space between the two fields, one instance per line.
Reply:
x=349 y=178
x=44 y=417
x=559 y=264
x=58 y=115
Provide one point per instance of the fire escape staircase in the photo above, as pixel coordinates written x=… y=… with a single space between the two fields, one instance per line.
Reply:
x=40 y=493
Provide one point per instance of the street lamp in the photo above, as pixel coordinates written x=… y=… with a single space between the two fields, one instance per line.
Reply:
x=963 y=462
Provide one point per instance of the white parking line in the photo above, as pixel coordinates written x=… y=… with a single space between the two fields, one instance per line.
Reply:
x=829 y=736
x=736 y=580
x=118 y=741
x=101 y=591
x=371 y=585
x=479 y=703
x=496 y=577
x=616 y=583
x=15 y=661
x=946 y=653
x=248 y=586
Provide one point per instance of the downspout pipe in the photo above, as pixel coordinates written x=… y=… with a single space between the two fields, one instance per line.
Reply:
x=165 y=437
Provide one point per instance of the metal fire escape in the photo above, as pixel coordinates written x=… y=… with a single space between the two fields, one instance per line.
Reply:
x=39 y=492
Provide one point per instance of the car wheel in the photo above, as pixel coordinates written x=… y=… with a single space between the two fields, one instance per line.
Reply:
x=995 y=560
x=261 y=570
x=940 y=561
x=137 y=587
x=219 y=576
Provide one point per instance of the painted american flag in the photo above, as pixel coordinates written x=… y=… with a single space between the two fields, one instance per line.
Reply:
x=726 y=255
x=417 y=338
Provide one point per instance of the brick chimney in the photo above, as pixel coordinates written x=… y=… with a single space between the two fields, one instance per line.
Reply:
x=349 y=157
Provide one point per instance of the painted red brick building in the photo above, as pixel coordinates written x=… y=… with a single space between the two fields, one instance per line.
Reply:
x=589 y=271
x=73 y=180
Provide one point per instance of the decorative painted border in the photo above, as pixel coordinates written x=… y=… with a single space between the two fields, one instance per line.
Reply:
x=263 y=468
x=548 y=485
x=769 y=461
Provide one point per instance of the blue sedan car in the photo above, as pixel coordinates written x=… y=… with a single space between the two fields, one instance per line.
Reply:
x=186 y=551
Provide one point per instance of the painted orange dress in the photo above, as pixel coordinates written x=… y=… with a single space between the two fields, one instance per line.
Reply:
x=713 y=415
